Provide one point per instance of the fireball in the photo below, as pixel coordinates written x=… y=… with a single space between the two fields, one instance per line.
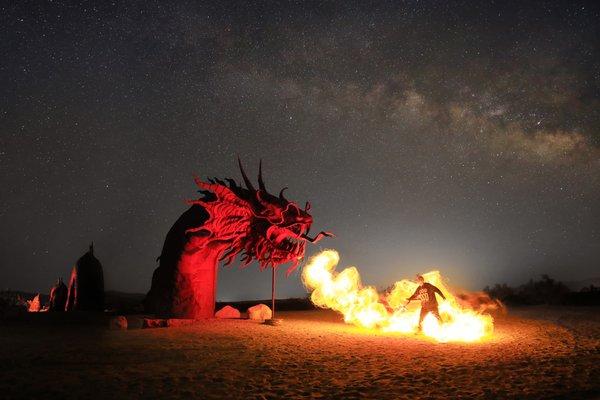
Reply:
x=363 y=306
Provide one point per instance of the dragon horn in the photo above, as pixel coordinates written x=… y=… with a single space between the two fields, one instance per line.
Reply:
x=281 y=194
x=246 y=180
x=261 y=183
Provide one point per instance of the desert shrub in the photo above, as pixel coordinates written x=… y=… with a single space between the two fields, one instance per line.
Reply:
x=11 y=304
x=587 y=296
x=500 y=291
x=544 y=291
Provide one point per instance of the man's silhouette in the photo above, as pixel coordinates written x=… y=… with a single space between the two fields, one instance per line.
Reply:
x=426 y=294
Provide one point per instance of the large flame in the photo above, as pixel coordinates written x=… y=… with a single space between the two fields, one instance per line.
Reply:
x=364 y=307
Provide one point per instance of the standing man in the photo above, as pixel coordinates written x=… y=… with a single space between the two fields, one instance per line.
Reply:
x=426 y=294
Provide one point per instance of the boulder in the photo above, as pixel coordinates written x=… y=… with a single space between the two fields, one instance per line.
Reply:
x=154 y=323
x=228 y=312
x=259 y=312
x=177 y=322
x=118 y=323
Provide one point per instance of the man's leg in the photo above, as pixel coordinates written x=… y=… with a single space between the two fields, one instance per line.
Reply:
x=436 y=313
x=422 y=315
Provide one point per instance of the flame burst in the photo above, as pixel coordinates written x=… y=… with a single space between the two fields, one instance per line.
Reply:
x=364 y=307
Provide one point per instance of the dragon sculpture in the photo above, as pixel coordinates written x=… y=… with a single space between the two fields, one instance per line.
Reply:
x=229 y=220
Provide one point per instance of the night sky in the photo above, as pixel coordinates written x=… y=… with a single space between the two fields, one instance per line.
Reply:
x=462 y=135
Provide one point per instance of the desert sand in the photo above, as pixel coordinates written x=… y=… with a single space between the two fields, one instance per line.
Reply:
x=535 y=353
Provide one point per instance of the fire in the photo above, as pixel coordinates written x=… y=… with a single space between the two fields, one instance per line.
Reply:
x=365 y=307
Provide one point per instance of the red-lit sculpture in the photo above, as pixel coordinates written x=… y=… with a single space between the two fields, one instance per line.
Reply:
x=229 y=220
x=86 y=285
x=58 y=296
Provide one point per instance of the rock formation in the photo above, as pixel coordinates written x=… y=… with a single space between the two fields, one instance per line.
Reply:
x=259 y=312
x=154 y=323
x=228 y=312
x=58 y=296
x=118 y=323
x=86 y=285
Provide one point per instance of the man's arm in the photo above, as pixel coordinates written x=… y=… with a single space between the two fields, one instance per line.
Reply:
x=414 y=296
x=438 y=291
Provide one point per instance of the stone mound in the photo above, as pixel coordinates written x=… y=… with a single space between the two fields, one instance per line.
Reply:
x=228 y=312
x=259 y=312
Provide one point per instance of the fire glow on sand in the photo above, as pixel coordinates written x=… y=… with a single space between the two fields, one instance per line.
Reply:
x=365 y=307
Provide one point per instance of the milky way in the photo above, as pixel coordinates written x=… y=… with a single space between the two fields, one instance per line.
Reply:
x=463 y=137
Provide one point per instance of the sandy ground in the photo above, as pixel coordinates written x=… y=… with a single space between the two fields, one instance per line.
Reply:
x=312 y=355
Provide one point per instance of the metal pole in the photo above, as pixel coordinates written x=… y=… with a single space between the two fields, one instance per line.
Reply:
x=273 y=293
x=272 y=321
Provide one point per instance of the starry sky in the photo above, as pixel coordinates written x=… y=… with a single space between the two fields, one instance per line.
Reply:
x=458 y=135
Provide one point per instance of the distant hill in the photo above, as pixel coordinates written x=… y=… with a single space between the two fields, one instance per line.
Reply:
x=131 y=303
x=292 y=304
x=24 y=295
x=128 y=303
x=124 y=302
x=576 y=286
x=548 y=291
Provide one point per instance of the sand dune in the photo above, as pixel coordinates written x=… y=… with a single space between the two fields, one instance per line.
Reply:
x=312 y=355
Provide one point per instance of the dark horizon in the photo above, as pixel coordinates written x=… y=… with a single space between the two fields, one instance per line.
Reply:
x=232 y=276
x=460 y=136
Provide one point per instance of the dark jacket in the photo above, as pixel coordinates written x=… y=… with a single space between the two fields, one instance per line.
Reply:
x=426 y=294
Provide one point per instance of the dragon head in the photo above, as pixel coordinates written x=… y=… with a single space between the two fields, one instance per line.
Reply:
x=269 y=229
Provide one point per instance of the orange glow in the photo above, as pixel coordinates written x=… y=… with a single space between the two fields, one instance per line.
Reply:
x=363 y=306
x=34 y=305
